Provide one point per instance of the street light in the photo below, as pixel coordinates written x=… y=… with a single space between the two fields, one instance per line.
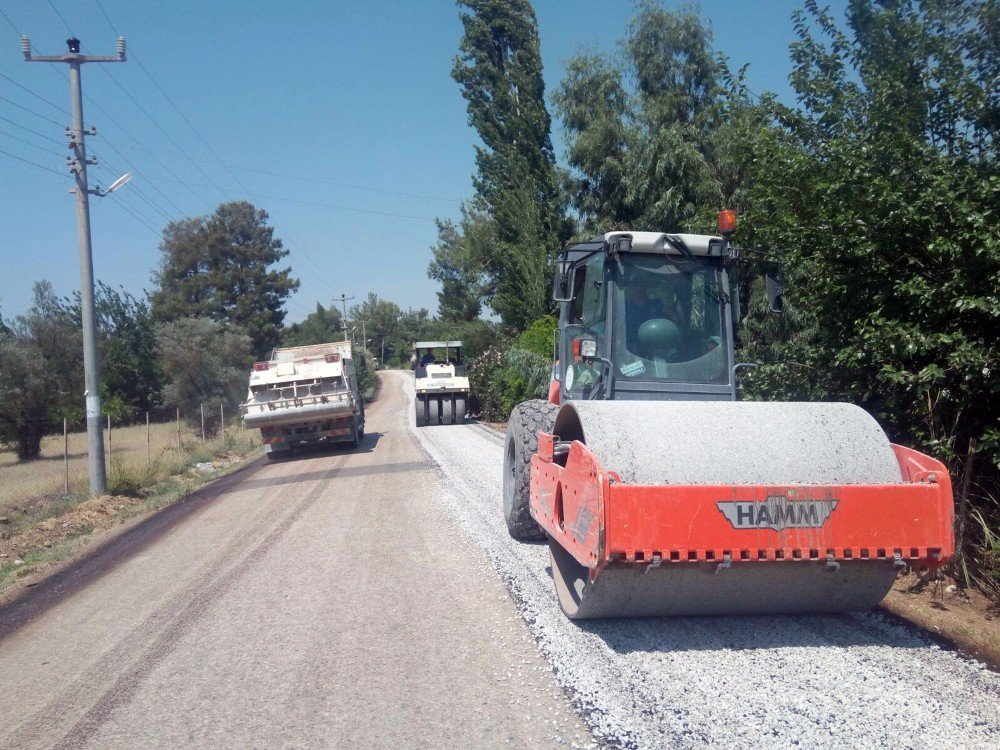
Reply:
x=114 y=186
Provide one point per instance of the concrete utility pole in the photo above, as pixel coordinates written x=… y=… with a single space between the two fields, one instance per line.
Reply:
x=343 y=299
x=78 y=166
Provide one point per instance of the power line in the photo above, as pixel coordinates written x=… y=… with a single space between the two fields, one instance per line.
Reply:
x=10 y=22
x=37 y=96
x=54 y=8
x=29 y=110
x=317 y=204
x=29 y=143
x=34 y=164
x=301 y=178
x=33 y=132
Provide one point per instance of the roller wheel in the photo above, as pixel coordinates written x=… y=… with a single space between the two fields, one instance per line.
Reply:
x=434 y=410
x=522 y=441
x=421 y=411
x=459 y=409
x=448 y=410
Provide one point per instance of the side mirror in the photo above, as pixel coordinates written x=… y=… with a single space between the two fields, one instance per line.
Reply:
x=562 y=286
x=774 y=290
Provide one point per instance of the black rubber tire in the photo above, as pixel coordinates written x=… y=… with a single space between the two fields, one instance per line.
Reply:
x=421 y=411
x=434 y=410
x=355 y=434
x=525 y=421
x=447 y=409
x=460 y=404
x=278 y=455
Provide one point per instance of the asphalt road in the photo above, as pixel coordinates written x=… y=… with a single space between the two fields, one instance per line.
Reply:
x=373 y=598
x=329 y=601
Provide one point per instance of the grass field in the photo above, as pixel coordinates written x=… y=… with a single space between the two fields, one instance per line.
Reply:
x=35 y=490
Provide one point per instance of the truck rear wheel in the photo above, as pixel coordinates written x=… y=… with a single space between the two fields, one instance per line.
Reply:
x=523 y=426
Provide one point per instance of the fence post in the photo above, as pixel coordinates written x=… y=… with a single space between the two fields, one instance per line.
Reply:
x=222 y=419
x=147 y=437
x=178 y=428
x=66 y=455
x=109 y=444
x=203 y=423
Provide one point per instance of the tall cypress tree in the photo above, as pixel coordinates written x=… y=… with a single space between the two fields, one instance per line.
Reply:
x=499 y=69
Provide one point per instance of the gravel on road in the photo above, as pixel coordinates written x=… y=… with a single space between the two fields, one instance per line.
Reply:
x=830 y=681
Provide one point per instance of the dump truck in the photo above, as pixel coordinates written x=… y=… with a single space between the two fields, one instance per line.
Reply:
x=305 y=394
x=661 y=494
x=442 y=389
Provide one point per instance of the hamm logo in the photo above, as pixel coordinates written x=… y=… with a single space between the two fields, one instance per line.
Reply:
x=778 y=513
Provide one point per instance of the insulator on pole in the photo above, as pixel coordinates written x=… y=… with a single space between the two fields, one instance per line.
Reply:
x=121 y=48
x=26 y=47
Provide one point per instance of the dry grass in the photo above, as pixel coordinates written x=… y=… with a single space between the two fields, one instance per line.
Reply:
x=45 y=475
x=34 y=490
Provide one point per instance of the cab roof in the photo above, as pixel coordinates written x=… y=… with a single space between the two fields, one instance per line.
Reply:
x=437 y=344
x=659 y=242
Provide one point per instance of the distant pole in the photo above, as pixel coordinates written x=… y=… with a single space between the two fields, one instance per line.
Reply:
x=109 y=442
x=343 y=300
x=78 y=166
x=65 y=455
x=178 y=428
x=147 y=437
x=203 y=423
x=222 y=418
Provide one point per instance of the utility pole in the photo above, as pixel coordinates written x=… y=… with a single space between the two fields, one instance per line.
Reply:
x=343 y=300
x=78 y=167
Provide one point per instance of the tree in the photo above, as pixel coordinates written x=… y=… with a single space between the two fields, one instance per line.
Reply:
x=381 y=325
x=459 y=258
x=878 y=192
x=654 y=156
x=206 y=364
x=499 y=70
x=322 y=325
x=41 y=372
x=220 y=267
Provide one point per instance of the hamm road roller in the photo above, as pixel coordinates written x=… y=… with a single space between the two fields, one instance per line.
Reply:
x=661 y=494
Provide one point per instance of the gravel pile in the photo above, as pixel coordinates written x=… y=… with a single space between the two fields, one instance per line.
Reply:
x=841 y=681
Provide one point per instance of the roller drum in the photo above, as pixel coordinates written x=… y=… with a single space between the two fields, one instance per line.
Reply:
x=726 y=443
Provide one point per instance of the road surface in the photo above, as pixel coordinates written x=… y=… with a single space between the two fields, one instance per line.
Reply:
x=373 y=599
x=321 y=602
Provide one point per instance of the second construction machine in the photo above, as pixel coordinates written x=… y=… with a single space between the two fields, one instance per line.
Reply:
x=660 y=494
x=442 y=388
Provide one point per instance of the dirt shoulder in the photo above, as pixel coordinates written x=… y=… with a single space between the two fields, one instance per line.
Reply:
x=43 y=548
x=963 y=618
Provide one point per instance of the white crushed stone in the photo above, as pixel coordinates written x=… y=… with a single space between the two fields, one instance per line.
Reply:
x=831 y=681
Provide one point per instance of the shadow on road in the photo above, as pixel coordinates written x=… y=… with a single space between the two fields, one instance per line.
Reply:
x=322 y=448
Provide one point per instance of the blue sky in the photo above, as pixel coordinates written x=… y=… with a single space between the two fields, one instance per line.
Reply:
x=339 y=118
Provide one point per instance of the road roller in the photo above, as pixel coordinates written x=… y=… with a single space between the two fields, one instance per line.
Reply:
x=659 y=493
